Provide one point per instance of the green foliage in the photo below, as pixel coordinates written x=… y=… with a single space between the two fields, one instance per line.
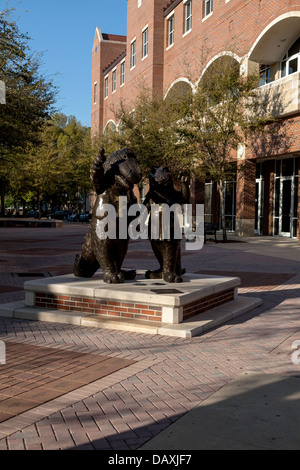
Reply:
x=149 y=131
x=60 y=163
x=192 y=133
x=197 y=134
x=29 y=97
x=222 y=118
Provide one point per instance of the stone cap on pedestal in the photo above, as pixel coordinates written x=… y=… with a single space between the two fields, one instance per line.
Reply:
x=155 y=292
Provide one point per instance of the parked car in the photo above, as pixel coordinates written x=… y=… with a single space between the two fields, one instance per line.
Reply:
x=74 y=218
x=32 y=213
x=85 y=217
x=61 y=215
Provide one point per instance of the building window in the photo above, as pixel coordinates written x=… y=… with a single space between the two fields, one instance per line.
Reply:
x=114 y=80
x=285 y=209
x=264 y=75
x=145 y=43
x=122 y=72
x=171 y=25
x=133 y=54
x=106 y=86
x=290 y=62
x=188 y=16
x=208 y=7
x=95 y=92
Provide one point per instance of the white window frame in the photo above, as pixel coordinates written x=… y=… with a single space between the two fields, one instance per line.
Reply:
x=188 y=15
x=122 y=75
x=114 y=80
x=208 y=9
x=139 y=3
x=106 y=86
x=95 y=92
x=145 y=42
x=287 y=61
x=133 y=54
x=264 y=75
x=170 y=30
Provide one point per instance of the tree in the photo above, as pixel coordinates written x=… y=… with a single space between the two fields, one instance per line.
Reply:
x=29 y=97
x=60 y=164
x=226 y=112
x=199 y=133
x=149 y=130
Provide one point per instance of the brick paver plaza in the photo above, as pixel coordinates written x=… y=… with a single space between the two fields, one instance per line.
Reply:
x=71 y=387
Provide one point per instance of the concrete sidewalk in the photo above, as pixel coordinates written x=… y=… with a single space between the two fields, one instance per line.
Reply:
x=277 y=247
x=235 y=387
x=254 y=411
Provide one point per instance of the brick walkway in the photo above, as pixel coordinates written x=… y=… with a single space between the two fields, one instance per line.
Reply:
x=159 y=378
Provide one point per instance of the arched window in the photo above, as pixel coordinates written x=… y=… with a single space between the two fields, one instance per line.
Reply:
x=110 y=127
x=291 y=61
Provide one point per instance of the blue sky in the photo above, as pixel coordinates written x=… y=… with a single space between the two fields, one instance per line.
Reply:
x=64 y=31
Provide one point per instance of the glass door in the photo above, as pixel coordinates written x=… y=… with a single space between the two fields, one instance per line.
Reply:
x=259 y=209
x=286 y=197
x=286 y=207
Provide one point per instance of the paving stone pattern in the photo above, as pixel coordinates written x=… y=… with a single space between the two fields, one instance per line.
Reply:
x=164 y=377
x=34 y=375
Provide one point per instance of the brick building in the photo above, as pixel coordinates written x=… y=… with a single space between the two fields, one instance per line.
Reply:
x=169 y=45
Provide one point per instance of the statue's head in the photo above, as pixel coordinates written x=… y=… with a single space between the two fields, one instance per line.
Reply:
x=123 y=168
x=161 y=178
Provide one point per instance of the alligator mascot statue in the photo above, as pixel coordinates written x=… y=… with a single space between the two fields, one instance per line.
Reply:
x=166 y=250
x=112 y=177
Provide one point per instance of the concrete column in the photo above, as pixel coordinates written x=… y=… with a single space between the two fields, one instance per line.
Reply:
x=215 y=203
x=197 y=191
x=245 y=198
x=298 y=208
x=268 y=197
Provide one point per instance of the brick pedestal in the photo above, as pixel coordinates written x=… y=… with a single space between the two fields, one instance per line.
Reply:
x=141 y=299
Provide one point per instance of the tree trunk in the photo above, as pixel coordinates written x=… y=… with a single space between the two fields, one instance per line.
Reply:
x=39 y=204
x=222 y=209
x=2 y=196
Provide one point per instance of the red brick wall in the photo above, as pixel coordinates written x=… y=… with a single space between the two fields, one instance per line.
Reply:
x=298 y=211
x=148 y=71
x=127 y=310
x=282 y=138
x=91 y=306
x=105 y=51
x=233 y=26
x=245 y=190
x=212 y=301
x=268 y=197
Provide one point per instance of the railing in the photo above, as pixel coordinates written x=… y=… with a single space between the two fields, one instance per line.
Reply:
x=281 y=97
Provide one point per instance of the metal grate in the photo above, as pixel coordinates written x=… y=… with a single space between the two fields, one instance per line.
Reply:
x=167 y=291
x=31 y=274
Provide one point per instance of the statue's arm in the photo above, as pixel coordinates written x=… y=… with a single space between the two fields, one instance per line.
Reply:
x=98 y=172
x=185 y=189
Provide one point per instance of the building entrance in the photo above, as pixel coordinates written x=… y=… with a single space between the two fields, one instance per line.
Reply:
x=259 y=199
x=286 y=197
